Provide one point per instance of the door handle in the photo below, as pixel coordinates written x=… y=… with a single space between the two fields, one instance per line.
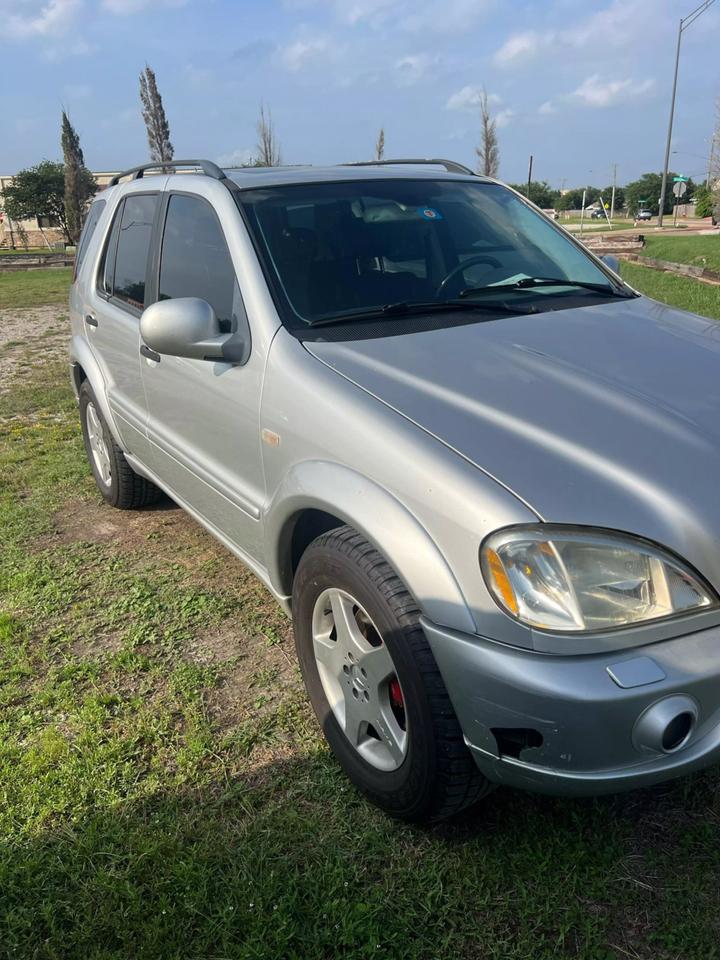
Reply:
x=150 y=354
x=91 y=320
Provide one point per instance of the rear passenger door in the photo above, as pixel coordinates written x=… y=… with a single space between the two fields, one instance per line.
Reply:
x=203 y=416
x=112 y=319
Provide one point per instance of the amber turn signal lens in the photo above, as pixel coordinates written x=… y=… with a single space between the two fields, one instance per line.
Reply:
x=501 y=581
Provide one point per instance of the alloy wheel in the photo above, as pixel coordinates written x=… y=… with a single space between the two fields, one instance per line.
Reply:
x=359 y=679
x=98 y=446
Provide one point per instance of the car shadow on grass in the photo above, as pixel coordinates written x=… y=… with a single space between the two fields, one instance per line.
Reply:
x=285 y=859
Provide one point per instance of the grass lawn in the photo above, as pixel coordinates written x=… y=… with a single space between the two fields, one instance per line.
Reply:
x=164 y=791
x=32 y=288
x=8 y=251
x=684 y=292
x=698 y=251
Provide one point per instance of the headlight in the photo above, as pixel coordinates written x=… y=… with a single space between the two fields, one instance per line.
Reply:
x=564 y=579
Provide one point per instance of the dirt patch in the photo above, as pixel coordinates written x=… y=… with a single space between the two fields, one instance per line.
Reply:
x=256 y=686
x=100 y=644
x=44 y=329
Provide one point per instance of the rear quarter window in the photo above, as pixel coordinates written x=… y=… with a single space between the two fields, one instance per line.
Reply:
x=91 y=222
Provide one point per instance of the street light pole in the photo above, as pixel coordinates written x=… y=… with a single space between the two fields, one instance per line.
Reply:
x=683 y=25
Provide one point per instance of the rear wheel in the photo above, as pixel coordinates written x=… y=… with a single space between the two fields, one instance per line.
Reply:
x=374 y=683
x=118 y=483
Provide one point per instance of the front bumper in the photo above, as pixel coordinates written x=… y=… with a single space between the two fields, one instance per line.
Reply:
x=587 y=734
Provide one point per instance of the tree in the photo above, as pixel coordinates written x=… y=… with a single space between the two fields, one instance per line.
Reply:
x=703 y=201
x=40 y=192
x=714 y=170
x=267 y=146
x=572 y=199
x=153 y=112
x=645 y=193
x=541 y=193
x=79 y=182
x=488 y=150
x=380 y=145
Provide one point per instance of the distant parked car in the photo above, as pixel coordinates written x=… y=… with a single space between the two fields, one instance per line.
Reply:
x=643 y=215
x=598 y=214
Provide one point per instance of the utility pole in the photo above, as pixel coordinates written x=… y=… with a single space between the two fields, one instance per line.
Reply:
x=529 y=177
x=612 y=198
x=711 y=162
x=683 y=25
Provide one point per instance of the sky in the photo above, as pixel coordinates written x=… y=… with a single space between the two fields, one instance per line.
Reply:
x=580 y=85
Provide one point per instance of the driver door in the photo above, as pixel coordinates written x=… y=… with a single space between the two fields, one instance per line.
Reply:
x=203 y=416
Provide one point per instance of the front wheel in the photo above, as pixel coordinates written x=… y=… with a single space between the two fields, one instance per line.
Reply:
x=374 y=683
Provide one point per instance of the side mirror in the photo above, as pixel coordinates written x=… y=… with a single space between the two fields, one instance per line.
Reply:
x=610 y=261
x=188 y=327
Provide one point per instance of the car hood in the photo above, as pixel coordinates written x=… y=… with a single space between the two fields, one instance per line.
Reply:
x=607 y=415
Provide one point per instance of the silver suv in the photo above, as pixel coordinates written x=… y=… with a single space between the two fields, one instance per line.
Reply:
x=477 y=469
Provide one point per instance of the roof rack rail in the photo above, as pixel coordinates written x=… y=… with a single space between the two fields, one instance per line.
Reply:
x=209 y=168
x=450 y=165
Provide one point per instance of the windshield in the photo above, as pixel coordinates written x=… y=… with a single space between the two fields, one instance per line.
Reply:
x=339 y=249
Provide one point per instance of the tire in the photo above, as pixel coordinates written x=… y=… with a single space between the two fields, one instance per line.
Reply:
x=118 y=483
x=412 y=761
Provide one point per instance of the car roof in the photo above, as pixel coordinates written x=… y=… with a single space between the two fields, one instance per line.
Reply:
x=253 y=177
x=246 y=178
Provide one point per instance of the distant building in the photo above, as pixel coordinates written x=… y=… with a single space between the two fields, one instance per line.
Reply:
x=40 y=231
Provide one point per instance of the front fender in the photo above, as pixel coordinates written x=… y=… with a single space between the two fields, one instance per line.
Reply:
x=382 y=519
x=82 y=356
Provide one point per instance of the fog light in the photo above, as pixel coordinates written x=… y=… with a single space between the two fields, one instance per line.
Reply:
x=666 y=726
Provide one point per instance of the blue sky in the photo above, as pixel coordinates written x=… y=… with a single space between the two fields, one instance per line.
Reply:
x=580 y=85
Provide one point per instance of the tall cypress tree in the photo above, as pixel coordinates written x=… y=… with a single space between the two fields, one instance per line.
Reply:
x=488 y=151
x=268 y=148
x=79 y=182
x=380 y=145
x=158 y=128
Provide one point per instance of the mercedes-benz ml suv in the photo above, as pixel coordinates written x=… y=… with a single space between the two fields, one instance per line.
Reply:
x=477 y=469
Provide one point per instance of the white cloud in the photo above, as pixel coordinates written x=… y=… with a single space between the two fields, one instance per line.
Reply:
x=413 y=67
x=298 y=55
x=65 y=50
x=442 y=16
x=469 y=98
x=236 y=158
x=523 y=45
x=618 y=25
x=37 y=19
x=358 y=10
x=503 y=118
x=593 y=92
x=429 y=16
x=125 y=7
x=545 y=109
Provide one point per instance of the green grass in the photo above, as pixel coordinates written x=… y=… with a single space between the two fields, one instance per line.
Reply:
x=8 y=251
x=698 y=251
x=164 y=791
x=683 y=292
x=33 y=288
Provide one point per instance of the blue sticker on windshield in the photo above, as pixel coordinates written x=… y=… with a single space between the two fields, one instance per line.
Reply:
x=429 y=213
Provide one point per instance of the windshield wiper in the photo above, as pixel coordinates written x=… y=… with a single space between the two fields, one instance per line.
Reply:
x=527 y=283
x=409 y=308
